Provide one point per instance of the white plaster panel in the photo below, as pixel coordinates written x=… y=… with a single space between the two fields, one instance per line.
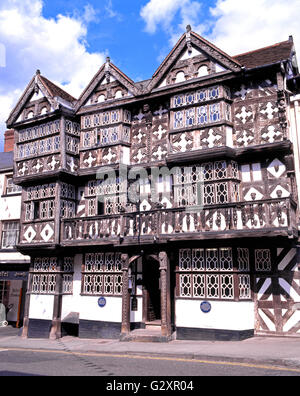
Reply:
x=126 y=156
x=245 y=170
x=190 y=54
x=294 y=295
x=223 y=315
x=137 y=316
x=293 y=321
x=71 y=303
x=10 y=208
x=41 y=307
x=256 y=168
x=89 y=309
x=229 y=137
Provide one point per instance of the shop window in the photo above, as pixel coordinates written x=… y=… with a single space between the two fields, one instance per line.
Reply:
x=4 y=292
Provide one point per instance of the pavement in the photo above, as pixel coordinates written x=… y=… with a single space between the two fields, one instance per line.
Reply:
x=277 y=351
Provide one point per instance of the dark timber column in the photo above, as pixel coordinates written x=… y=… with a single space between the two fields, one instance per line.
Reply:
x=27 y=302
x=55 y=332
x=125 y=329
x=164 y=267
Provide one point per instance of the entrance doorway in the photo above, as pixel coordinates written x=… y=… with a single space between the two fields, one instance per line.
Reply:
x=152 y=300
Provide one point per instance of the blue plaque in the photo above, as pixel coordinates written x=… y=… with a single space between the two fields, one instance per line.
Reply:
x=102 y=302
x=205 y=307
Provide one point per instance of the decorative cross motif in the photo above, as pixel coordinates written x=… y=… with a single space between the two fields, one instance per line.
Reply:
x=139 y=155
x=159 y=153
x=110 y=156
x=245 y=139
x=90 y=160
x=140 y=116
x=53 y=163
x=212 y=138
x=183 y=143
x=159 y=134
x=272 y=135
x=140 y=136
x=23 y=169
x=160 y=112
x=269 y=110
x=39 y=165
x=243 y=115
x=243 y=92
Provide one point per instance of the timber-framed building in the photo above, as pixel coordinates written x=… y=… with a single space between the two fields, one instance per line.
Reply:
x=168 y=204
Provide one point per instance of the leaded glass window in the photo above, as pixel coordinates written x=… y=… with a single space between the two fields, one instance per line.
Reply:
x=102 y=274
x=210 y=273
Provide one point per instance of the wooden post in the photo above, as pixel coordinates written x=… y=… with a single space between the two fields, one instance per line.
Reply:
x=164 y=267
x=27 y=302
x=125 y=329
x=19 y=308
x=55 y=332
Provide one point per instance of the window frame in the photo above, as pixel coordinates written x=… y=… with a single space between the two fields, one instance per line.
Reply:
x=15 y=231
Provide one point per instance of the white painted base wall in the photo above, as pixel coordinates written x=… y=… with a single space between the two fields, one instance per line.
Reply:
x=87 y=306
x=223 y=315
x=41 y=307
x=112 y=312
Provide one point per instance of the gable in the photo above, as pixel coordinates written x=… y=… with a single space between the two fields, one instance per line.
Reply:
x=108 y=84
x=40 y=97
x=37 y=105
x=35 y=101
x=192 y=57
x=107 y=89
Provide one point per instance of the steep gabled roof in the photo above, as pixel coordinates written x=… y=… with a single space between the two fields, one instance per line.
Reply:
x=188 y=39
x=267 y=55
x=55 y=95
x=56 y=91
x=114 y=71
x=200 y=39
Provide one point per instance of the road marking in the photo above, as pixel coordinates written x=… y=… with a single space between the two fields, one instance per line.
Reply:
x=162 y=358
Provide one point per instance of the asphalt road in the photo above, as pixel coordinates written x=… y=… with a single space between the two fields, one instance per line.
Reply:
x=17 y=362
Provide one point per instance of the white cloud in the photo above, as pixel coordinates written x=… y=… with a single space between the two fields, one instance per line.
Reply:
x=162 y=13
x=246 y=25
x=111 y=13
x=233 y=25
x=55 y=46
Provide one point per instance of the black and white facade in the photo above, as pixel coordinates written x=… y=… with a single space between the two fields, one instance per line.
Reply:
x=171 y=202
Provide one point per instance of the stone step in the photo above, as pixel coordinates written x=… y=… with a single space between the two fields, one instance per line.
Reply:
x=145 y=335
x=153 y=327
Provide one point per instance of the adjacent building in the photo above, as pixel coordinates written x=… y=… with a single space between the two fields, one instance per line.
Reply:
x=171 y=202
x=14 y=266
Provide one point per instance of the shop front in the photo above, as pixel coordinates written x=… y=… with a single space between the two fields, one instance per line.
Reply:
x=13 y=284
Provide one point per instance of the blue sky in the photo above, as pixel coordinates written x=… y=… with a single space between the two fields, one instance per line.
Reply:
x=118 y=28
x=69 y=40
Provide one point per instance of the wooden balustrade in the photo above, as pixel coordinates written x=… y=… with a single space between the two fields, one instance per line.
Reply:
x=274 y=216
